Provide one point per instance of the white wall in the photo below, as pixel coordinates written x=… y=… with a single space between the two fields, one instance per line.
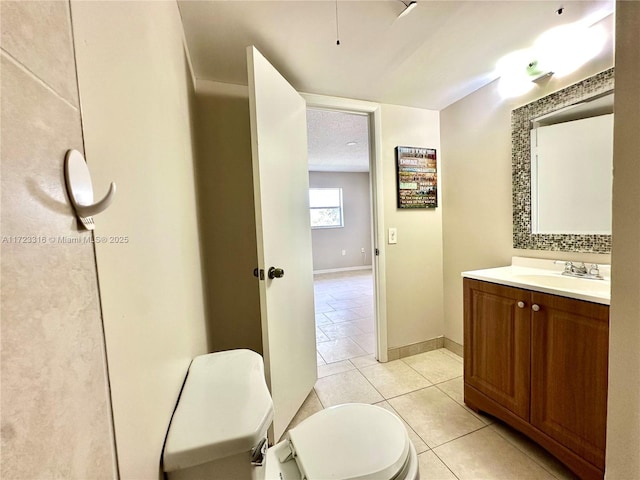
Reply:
x=328 y=243
x=414 y=264
x=476 y=162
x=623 y=421
x=135 y=90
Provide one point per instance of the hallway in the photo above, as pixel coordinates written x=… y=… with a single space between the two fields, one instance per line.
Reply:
x=344 y=315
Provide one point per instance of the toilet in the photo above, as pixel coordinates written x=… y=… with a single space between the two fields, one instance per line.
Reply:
x=219 y=431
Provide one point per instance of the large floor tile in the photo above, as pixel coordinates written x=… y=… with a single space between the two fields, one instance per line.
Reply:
x=322 y=297
x=333 y=368
x=367 y=325
x=310 y=406
x=413 y=436
x=364 y=311
x=346 y=294
x=435 y=366
x=321 y=319
x=452 y=355
x=320 y=336
x=394 y=378
x=323 y=308
x=342 y=316
x=341 y=330
x=367 y=341
x=364 y=361
x=347 y=304
x=339 y=349
x=435 y=416
x=485 y=454
x=347 y=387
x=534 y=451
x=432 y=468
x=319 y=360
x=455 y=389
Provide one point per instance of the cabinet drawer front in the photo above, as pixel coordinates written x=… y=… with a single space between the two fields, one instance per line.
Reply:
x=497 y=343
x=569 y=373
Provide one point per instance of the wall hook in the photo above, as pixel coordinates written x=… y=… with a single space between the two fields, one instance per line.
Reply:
x=80 y=189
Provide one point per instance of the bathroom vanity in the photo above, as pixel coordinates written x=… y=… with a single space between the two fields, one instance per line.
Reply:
x=536 y=356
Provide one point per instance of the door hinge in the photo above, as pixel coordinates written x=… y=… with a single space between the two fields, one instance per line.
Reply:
x=258 y=273
x=377 y=252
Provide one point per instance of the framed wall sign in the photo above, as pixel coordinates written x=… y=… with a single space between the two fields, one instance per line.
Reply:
x=417 y=176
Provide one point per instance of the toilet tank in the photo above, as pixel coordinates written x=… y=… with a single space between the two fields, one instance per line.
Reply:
x=223 y=413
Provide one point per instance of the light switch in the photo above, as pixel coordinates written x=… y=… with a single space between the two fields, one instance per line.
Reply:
x=393 y=236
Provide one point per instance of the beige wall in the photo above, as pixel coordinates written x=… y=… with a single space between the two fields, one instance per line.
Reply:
x=476 y=162
x=328 y=243
x=414 y=264
x=135 y=91
x=623 y=427
x=55 y=403
x=227 y=220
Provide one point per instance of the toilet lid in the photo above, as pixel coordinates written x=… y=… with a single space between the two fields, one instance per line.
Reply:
x=352 y=441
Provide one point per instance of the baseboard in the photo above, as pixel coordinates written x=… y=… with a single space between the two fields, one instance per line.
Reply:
x=415 y=348
x=343 y=269
x=455 y=347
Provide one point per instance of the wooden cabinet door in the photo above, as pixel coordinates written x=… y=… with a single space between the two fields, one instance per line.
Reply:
x=569 y=357
x=497 y=343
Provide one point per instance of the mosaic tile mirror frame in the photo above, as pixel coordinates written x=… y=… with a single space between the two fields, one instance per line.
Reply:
x=521 y=122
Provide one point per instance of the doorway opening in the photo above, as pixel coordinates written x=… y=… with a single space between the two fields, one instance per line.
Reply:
x=341 y=198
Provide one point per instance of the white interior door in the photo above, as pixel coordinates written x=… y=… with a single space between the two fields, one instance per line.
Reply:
x=281 y=194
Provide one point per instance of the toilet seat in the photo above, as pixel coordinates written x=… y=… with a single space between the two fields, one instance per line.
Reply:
x=350 y=442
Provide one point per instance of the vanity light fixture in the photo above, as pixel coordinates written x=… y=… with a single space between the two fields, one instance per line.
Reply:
x=564 y=49
x=407 y=7
x=558 y=51
x=352 y=144
x=513 y=70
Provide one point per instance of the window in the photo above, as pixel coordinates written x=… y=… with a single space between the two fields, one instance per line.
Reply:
x=325 y=206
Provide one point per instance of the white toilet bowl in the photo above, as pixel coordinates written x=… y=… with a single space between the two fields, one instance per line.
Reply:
x=225 y=409
x=345 y=442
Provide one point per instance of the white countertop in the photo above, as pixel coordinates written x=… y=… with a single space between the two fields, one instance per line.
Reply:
x=546 y=276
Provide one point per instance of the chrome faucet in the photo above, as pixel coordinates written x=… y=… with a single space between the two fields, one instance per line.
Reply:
x=581 y=271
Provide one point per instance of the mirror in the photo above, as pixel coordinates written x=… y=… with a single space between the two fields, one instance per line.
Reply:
x=562 y=152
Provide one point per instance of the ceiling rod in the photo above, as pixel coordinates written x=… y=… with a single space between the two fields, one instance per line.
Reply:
x=337 y=28
x=407 y=7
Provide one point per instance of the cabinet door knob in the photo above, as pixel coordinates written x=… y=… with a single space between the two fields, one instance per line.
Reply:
x=535 y=307
x=520 y=304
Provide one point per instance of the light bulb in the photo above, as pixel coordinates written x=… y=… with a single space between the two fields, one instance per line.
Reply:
x=514 y=77
x=564 y=49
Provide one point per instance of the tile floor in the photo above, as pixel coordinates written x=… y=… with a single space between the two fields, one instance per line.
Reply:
x=344 y=316
x=425 y=391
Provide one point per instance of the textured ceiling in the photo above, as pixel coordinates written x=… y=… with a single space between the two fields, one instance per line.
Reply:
x=437 y=54
x=328 y=135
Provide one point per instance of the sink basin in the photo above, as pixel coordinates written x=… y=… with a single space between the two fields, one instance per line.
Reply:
x=598 y=287
x=545 y=276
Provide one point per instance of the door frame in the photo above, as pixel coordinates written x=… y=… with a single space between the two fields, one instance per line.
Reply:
x=373 y=111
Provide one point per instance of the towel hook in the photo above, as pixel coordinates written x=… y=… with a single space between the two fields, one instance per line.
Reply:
x=80 y=189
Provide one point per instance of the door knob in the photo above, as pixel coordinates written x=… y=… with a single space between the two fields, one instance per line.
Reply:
x=274 y=272
x=535 y=308
x=520 y=304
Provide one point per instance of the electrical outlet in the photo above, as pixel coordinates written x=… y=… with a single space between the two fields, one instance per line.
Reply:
x=393 y=236
x=344 y=252
x=362 y=250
